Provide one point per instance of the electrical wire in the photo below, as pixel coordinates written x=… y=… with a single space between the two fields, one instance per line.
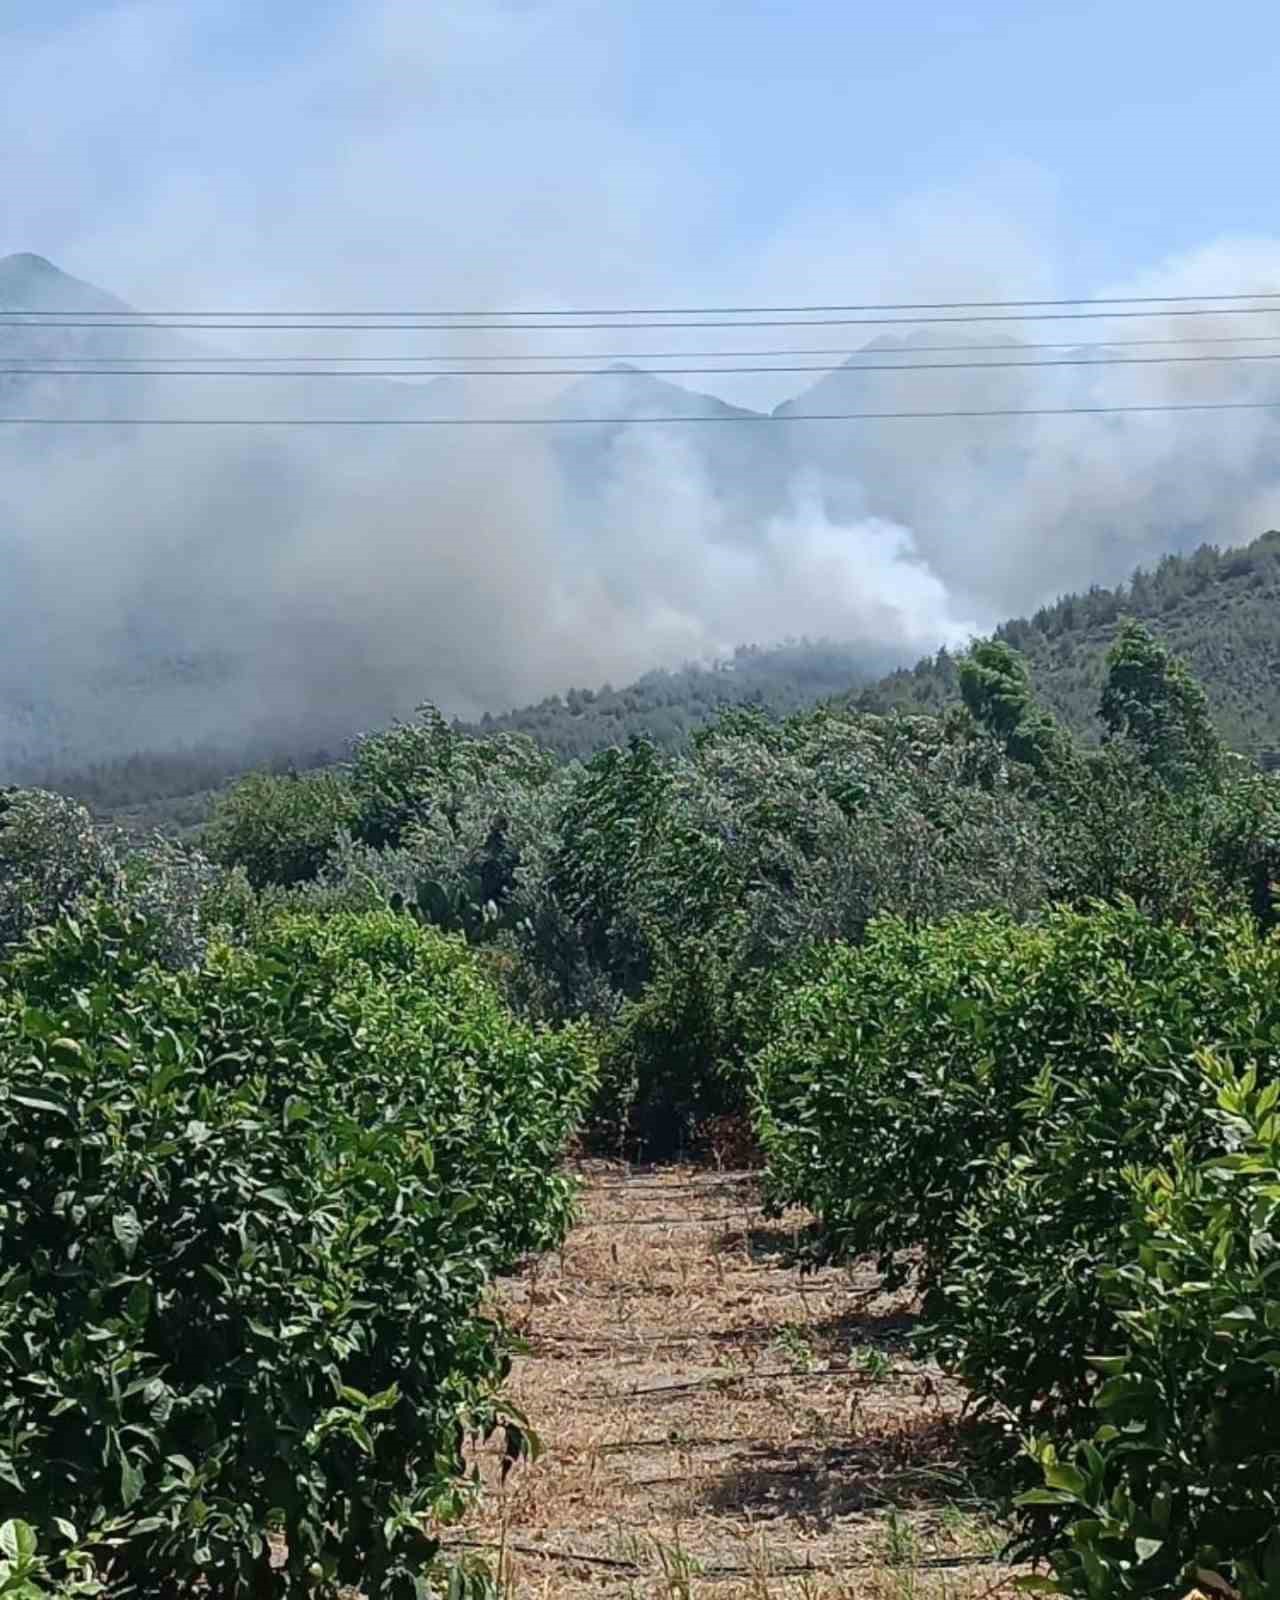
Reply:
x=552 y=421
x=1006 y=345
x=615 y=372
x=694 y=311
x=8 y=321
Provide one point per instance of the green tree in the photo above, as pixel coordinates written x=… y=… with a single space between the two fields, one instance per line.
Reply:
x=412 y=771
x=1151 y=701
x=280 y=829
x=996 y=687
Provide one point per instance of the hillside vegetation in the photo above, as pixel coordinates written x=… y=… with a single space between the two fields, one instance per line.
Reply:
x=998 y=1005
x=175 y=788
x=1219 y=609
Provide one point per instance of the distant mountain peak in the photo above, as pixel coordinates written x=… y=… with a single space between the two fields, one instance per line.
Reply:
x=625 y=390
x=29 y=282
x=26 y=261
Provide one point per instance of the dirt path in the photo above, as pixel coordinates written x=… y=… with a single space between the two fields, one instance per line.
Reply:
x=715 y=1423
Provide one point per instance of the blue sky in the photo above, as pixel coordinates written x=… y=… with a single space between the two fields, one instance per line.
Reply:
x=555 y=150
x=1148 y=125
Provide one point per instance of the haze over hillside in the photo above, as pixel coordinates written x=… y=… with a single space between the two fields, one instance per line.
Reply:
x=1219 y=609
x=263 y=588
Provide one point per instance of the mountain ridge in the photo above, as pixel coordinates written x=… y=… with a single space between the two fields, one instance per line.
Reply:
x=1218 y=608
x=209 y=589
x=29 y=282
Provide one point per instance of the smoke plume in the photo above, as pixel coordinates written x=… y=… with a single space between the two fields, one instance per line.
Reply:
x=176 y=586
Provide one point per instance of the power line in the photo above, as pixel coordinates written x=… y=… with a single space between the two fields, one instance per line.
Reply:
x=694 y=311
x=545 y=421
x=680 y=355
x=615 y=372
x=635 y=327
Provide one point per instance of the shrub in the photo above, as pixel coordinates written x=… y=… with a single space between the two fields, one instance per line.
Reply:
x=1151 y=702
x=280 y=828
x=1184 y=1473
x=1114 y=830
x=1243 y=840
x=170 y=887
x=1020 y=1307
x=889 y=1073
x=27 y=1574
x=663 y=1061
x=51 y=856
x=54 y=858
x=247 y=1214
x=695 y=885
x=914 y=1067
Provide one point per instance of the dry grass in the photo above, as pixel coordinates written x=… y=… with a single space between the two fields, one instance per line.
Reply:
x=716 y=1424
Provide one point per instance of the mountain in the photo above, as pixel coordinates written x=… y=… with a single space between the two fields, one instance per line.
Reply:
x=731 y=471
x=191 y=586
x=199 y=588
x=213 y=589
x=30 y=283
x=1219 y=609
x=1039 y=468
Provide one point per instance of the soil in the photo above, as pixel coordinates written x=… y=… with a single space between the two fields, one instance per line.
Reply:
x=715 y=1420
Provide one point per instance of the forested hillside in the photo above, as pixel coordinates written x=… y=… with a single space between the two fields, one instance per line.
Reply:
x=1219 y=609
x=175 y=788
x=667 y=707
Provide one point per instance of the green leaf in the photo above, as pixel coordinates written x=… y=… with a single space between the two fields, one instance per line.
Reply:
x=1044 y=1497
x=139 y=1303
x=18 y=1542
x=38 y=1023
x=128 y=1231
x=131 y=1482
x=1062 y=1475
x=1113 y=1391
x=36 y=1103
